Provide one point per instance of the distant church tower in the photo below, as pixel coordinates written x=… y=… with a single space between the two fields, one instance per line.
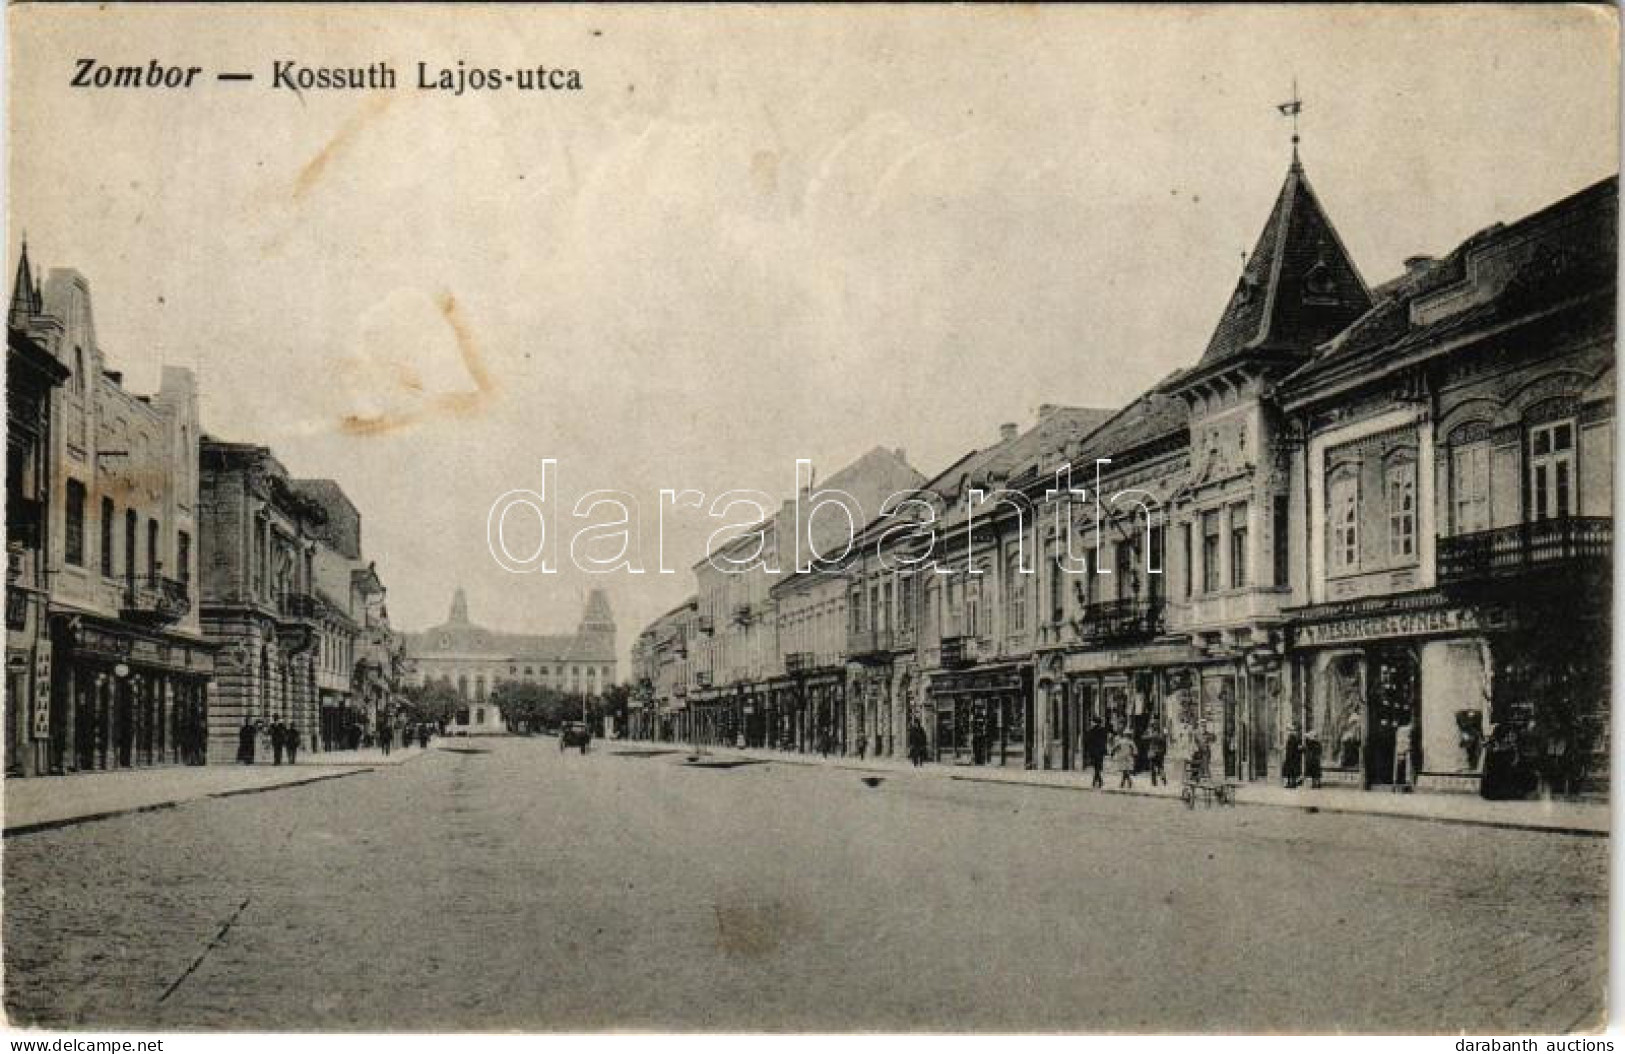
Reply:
x=459 y=608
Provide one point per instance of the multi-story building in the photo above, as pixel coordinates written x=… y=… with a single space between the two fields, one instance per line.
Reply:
x=31 y=375
x=260 y=603
x=474 y=659
x=355 y=655
x=1373 y=522
x=128 y=664
x=662 y=674
x=738 y=653
x=1453 y=477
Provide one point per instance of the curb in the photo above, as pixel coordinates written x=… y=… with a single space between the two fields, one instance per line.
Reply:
x=71 y=821
x=1307 y=807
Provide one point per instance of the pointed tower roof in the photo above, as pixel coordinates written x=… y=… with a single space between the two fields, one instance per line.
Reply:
x=24 y=293
x=597 y=613
x=1299 y=288
x=459 y=607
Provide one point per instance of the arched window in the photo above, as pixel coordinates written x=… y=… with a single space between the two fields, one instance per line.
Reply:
x=1343 y=515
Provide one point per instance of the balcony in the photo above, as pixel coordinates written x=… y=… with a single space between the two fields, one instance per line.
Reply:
x=1506 y=552
x=702 y=679
x=299 y=606
x=155 y=600
x=958 y=652
x=798 y=662
x=869 y=645
x=1122 y=621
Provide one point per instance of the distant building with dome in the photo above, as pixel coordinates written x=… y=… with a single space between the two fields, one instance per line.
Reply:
x=474 y=660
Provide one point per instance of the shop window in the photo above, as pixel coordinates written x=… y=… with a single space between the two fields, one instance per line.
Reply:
x=1470 y=487
x=1238 y=545
x=108 y=569
x=1344 y=516
x=1551 y=470
x=73 y=538
x=1210 y=551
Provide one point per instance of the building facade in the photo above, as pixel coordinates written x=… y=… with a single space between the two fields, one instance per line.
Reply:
x=474 y=660
x=1371 y=526
x=32 y=373
x=127 y=661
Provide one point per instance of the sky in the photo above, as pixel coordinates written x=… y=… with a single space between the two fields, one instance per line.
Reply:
x=754 y=235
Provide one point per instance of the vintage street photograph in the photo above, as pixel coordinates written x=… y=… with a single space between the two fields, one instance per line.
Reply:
x=812 y=519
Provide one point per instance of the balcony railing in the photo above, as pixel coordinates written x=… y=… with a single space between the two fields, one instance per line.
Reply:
x=305 y=606
x=1134 y=618
x=702 y=679
x=1525 y=547
x=154 y=598
x=798 y=662
x=868 y=645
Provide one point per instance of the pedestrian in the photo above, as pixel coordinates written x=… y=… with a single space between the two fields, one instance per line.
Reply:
x=386 y=737
x=1123 y=755
x=1156 y=753
x=1292 y=760
x=245 y=742
x=279 y=740
x=1404 y=776
x=1095 y=742
x=291 y=739
x=917 y=744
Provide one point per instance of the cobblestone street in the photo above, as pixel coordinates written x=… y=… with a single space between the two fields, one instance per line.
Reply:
x=501 y=884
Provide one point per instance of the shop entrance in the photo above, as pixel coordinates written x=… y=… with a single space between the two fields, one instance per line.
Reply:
x=1392 y=705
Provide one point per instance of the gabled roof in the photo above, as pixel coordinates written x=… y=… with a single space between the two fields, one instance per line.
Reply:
x=1298 y=288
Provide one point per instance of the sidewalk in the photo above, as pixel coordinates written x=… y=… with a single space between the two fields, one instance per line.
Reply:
x=1558 y=817
x=44 y=802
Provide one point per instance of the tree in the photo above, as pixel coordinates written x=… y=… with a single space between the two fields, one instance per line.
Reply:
x=434 y=701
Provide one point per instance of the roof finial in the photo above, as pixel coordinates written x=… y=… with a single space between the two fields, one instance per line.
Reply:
x=1292 y=109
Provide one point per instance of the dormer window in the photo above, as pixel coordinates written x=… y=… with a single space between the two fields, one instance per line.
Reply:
x=1318 y=284
x=1246 y=289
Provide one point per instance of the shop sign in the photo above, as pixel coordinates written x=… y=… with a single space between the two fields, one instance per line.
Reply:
x=42 y=694
x=1401 y=624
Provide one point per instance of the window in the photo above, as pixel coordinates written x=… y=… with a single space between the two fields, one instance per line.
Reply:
x=1156 y=564
x=973 y=606
x=130 y=554
x=1238 y=545
x=1057 y=584
x=152 y=549
x=1282 y=532
x=1189 y=568
x=1551 y=470
x=107 y=537
x=73 y=539
x=1015 y=593
x=1401 y=486
x=1210 y=551
x=906 y=585
x=1126 y=570
x=859 y=609
x=1470 y=487
x=183 y=556
x=1344 y=515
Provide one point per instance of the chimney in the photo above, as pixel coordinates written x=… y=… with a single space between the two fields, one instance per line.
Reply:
x=1415 y=265
x=1007 y=431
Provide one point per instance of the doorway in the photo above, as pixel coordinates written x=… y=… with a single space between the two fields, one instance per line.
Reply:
x=1391 y=706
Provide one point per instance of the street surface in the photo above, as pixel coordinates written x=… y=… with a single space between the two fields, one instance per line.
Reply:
x=500 y=884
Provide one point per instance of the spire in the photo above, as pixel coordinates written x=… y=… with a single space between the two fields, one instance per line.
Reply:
x=1292 y=108
x=596 y=615
x=24 y=293
x=1298 y=287
x=459 y=606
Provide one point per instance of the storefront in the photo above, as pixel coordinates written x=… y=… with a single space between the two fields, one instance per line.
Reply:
x=1141 y=691
x=1397 y=696
x=128 y=698
x=981 y=716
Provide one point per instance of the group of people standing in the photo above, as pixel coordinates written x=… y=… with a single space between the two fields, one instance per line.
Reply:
x=1121 y=752
x=285 y=738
